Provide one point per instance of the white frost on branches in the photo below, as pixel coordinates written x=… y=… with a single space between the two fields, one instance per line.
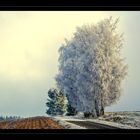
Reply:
x=91 y=69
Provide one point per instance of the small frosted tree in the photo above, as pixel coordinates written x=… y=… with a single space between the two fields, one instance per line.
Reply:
x=56 y=104
x=91 y=69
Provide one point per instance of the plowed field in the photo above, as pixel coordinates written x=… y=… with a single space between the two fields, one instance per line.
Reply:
x=31 y=123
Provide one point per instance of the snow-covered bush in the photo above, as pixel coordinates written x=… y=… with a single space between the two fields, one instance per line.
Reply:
x=91 y=69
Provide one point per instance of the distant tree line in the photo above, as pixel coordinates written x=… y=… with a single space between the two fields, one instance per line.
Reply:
x=5 y=118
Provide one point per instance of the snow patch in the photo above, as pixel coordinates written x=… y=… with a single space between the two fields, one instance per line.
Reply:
x=118 y=125
x=131 y=120
x=62 y=121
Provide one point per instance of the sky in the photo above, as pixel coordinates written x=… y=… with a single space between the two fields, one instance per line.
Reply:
x=29 y=43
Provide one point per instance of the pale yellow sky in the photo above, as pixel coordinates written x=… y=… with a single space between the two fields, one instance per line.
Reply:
x=30 y=38
x=29 y=43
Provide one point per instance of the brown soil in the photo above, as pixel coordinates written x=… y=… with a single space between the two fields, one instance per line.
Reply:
x=31 y=123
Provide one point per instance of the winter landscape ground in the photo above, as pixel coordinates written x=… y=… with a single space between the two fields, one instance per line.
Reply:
x=111 y=120
x=121 y=120
x=126 y=118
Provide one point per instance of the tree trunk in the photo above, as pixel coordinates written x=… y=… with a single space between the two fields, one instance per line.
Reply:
x=99 y=107
x=97 y=111
x=102 y=110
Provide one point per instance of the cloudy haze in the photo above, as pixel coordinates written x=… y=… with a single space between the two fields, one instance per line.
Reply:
x=29 y=43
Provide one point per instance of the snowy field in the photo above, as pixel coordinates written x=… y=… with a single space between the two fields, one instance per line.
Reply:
x=123 y=120
x=131 y=119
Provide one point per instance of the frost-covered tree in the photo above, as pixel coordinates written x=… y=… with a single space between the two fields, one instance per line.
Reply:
x=56 y=103
x=91 y=69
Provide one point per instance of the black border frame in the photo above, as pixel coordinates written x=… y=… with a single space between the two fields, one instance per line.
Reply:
x=69 y=8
